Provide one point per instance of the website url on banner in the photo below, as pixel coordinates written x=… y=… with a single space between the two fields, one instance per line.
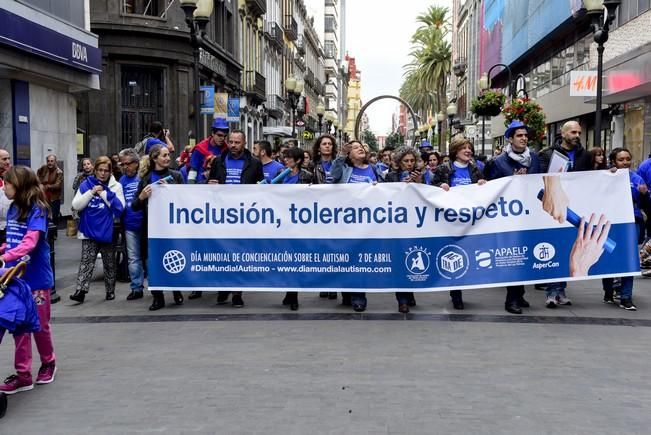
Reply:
x=334 y=269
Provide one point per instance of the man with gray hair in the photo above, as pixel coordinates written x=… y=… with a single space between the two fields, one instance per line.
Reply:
x=132 y=221
x=51 y=178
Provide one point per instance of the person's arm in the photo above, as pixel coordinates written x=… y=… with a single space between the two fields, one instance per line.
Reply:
x=25 y=247
x=139 y=201
x=168 y=141
x=58 y=182
x=81 y=200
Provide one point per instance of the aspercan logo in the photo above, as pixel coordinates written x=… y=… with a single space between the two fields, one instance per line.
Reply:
x=174 y=261
x=417 y=262
x=544 y=252
x=452 y=262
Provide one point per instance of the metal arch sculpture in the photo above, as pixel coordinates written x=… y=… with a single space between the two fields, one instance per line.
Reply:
x=358 y=121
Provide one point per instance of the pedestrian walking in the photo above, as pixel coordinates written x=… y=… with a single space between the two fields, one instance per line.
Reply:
x=100 y=201
x=27 y=224
x=51 y=178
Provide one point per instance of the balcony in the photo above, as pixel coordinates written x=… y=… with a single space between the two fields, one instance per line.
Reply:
x=318 y=87
x=274 y=34
x=275 y=106
x=291 y=28
x=257 y=7
x=300 y=44
x=255 y=85
x=309 y=77
x=299 y=61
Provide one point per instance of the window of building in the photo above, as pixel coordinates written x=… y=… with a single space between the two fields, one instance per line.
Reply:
x=330 y=49
x=143 y=7
x=141 y=102
x=631 y=9
x=69 y=11
x=330 y=23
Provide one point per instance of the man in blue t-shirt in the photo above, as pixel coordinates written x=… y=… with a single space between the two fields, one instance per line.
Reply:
x=132 y=221
x=270 y=168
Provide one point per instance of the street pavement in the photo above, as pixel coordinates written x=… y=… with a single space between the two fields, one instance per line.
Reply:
x=206 y=369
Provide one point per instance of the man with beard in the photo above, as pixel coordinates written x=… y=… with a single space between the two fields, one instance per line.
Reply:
x=51 y=177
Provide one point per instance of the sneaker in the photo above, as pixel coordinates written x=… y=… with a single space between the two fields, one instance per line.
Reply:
x=15 y=384
x=608 y=299
x=627 y=304
x=46 y=373
x=237 y=301
x=134 y=295
x=551 y=302
x=561 y=299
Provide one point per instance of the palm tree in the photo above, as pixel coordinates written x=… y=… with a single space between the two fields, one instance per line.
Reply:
x=431 y=61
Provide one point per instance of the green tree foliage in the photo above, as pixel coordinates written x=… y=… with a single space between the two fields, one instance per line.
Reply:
x=369 y=138
x=394 y=139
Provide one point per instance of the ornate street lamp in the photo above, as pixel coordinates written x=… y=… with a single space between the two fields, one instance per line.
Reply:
x=440 y=117
x=600 y=27
x=294 y=88
x=320 y=110
x=197 y=15
x=330 y=117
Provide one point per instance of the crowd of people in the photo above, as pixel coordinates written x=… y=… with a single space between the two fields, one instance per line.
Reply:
x=117 y=189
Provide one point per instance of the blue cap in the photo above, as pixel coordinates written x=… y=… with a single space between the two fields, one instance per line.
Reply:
x=516 y=124
x=220 y=124
x=425 y=144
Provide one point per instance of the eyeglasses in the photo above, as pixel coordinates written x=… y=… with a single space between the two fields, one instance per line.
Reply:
x=128 y=163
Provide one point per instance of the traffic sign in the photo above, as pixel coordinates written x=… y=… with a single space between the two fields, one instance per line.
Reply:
x=300 y=123
x=308 y=135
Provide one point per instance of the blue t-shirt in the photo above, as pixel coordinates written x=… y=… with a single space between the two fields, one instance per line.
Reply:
x=271 y=169
x=151 y=142
x=234 y=169
x=460 y=176
x=291 y=179
x=327 y=166
x=636 y=180
x=197 y=160
x=131 y=219
x=360 y=175
x=39 y=272
x=571 y=155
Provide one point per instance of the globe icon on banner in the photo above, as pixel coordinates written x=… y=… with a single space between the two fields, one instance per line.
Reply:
x=174 y=261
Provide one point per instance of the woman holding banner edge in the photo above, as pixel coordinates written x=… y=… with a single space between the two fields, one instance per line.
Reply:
x=158 y=172
x=405 y=159
x=460 y=171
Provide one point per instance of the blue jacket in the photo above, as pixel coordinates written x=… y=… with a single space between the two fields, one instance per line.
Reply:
x=503 y=166
x=639 y=200
x=131 y=220
x=644 y=171
x=96 y=212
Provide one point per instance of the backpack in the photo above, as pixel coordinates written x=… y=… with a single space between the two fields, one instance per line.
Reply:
x=141 y=146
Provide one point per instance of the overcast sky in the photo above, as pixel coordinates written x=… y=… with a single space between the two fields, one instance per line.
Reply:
x=377 y=35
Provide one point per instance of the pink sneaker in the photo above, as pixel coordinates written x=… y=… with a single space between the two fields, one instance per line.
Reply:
x=15 y=384
x=46 y=373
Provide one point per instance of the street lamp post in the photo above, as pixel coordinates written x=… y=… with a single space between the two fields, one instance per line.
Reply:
x=440 y=117
x=452 y=112
x=330 y=117
x=320 y=110
x=294 y=88
x=600 y=27
x=197 y=15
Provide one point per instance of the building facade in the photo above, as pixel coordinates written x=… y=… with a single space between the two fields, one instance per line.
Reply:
x=48 y=55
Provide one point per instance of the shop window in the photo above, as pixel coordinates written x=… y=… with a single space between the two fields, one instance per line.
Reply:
x=144 y=7
x=141 y=102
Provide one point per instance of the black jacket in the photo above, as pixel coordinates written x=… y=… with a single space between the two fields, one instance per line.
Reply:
x=582 y=159
x=251 y=172
x=443 y=174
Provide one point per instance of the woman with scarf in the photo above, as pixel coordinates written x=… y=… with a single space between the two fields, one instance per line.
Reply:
x=99 y=200
x=515 y=159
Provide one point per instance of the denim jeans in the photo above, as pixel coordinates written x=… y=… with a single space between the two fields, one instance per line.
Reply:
x=625 y=291
x=555 y=288
x=136 y=271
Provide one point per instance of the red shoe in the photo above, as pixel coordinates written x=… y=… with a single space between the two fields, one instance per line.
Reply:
x=46 y=373
x=15 y=384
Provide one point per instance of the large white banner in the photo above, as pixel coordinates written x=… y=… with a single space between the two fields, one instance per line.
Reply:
x=393 y=236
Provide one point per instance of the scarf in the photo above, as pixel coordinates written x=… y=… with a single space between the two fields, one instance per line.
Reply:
x=524 y=158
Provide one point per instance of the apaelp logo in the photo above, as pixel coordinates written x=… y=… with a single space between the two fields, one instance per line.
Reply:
x=174 y=261
x=452 y=262
x=417 y=262
x=484 y=259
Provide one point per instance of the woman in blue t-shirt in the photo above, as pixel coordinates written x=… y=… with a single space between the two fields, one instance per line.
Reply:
x=405 y=159
x=100 y=201
x=352 y=166
x=294 y=158
x=621 y=158
x=27 y=222
x=458 y=172
x=158 y=171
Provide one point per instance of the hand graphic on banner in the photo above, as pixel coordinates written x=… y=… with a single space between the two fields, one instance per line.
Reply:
x=589 y=245
x=555 y=200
